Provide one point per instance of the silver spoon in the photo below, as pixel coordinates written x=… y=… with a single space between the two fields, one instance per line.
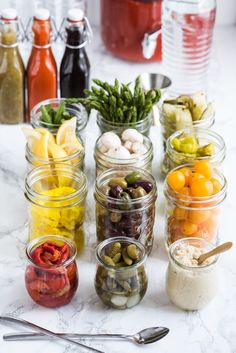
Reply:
x=46 y=332
x=148 y=335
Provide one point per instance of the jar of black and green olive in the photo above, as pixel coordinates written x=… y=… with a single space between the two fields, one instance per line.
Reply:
x=121 y=279
x=185 y=146
x=125 y=204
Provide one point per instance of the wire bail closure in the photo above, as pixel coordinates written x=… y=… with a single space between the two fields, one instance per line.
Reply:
x=88 y=34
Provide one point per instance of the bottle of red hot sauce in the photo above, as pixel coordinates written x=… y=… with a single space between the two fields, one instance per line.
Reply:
x=41 y=69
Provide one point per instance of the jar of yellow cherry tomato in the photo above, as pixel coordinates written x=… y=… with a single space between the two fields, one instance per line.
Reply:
x=194 y=196
x=56 y=196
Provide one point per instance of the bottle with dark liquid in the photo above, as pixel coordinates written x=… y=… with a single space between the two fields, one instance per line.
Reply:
x=75 y=66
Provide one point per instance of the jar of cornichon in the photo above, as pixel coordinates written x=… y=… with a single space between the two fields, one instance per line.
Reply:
x=185 y=146
x=121 y=279
x=193 y=216
x=76 y=159
x=142 y=126
x=125 y=204
x=104 y=162
x=71 y=109
x=56 y=197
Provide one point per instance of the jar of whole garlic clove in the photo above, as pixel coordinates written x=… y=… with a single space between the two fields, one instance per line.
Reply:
x=191 y=286
x=130 y=148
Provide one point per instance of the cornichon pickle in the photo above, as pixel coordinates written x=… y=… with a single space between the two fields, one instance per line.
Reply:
x=118 y=181
x=108 y=260
x=126 y=258
x=116 y=248
x=133 y=177
x=132 y=251
x=116 y=258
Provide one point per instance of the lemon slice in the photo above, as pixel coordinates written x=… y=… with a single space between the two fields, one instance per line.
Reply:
x=56 y=151
x=42 y=131
x=66 y=135
x=37 y=141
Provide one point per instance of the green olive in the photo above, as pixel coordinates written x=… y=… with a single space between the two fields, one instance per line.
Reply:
x=138 y=192
x=126 y=205
x=133 y=177
x=118 y=181
x=115 y=217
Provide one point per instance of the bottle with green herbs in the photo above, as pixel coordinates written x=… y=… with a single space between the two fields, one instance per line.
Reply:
x=12 y=72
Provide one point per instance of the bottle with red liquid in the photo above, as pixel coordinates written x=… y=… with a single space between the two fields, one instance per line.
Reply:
x=75 y=66
x=41 y=68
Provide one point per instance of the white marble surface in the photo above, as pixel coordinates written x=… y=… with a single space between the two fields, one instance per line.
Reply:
x=211 y=330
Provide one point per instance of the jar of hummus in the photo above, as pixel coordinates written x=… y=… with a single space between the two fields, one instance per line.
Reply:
x=191 y=286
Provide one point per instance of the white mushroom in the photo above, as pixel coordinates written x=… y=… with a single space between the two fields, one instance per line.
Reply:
x=128 y=145
x=139 y=148
x=132 y=135
x=110 y=140
x=119 y=300
x=120 y=153
x=103 y=148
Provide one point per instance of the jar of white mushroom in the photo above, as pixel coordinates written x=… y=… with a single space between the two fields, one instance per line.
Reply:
x=129 y=148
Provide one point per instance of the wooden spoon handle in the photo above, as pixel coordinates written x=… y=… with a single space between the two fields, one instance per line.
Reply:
x=218 y=250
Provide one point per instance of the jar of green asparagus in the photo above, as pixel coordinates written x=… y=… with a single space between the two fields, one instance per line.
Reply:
x=51 y=113
x=185 y=146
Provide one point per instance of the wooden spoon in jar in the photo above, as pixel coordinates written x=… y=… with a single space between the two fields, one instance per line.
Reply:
x=218 y=250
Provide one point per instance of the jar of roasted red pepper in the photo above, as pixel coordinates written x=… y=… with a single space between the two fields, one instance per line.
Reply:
x=51 y=276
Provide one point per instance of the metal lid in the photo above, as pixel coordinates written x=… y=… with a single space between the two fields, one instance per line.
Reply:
x=9 y=14
x=42 y=14
x=75 y=15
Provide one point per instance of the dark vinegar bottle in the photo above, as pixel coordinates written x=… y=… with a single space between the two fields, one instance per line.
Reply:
x=75 y=66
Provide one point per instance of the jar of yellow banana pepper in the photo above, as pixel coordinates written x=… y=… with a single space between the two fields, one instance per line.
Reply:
x=56 y=196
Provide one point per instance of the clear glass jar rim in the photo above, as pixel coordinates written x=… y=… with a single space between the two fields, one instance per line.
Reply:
x=220 y=154
x=192 y=268
x=111 y=240
x=72 y=106
x=176 y=196
x=32 y=245
x=30 y=156
x=120 y=124
x=148 y=197
x=73 y=172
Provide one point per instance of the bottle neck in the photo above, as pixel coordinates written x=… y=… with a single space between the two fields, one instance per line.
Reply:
x=75 y=36
x=41 y=33
x=9 y=34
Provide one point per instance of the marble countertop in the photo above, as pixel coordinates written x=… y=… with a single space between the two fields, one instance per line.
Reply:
x=211 y=330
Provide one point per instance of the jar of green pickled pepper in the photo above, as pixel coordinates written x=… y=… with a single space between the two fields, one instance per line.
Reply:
x=12 y=72
x=185 y=146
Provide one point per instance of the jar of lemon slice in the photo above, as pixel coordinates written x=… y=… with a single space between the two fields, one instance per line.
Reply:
x=56 y=196
x=43 y=147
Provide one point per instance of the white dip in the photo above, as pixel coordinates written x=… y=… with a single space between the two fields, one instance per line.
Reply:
x=190 y=286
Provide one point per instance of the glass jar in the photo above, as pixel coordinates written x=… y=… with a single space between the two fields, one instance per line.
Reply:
x=204 y=137
x=169 y=126
x=189 y=216
x=51 y=276
x=117 y=217
x=56 y=197
x=104 y=162
x=76 y=159
x=73 y=109
x=121 y=287
x=142 y=126
x=191 y=287
x=187 y=33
